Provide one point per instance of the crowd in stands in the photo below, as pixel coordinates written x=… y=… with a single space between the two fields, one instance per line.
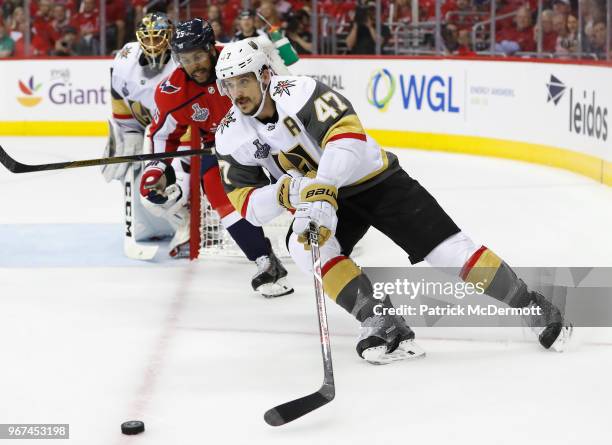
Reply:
x=72 y=27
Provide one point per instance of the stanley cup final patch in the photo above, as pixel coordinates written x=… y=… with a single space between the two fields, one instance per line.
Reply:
x=199 y=114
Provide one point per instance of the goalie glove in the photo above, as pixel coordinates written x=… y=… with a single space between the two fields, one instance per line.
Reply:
x=319 y=203
x=120 y=144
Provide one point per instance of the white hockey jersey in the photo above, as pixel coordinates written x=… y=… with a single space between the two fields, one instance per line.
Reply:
x=133 y=88
x=317 y=130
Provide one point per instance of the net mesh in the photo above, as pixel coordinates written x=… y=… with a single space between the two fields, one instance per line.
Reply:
x=207 y=235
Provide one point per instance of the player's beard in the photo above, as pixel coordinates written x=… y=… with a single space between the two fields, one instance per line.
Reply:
x=203 y=75
x=251 y=102
x=209 y=73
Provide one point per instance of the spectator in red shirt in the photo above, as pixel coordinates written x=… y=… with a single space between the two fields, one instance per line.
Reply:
x=43 y=34
x=88 y=26
x=549 y=36
x=519 y=38
x=229 y=12
x=462 y=15
x=464 y=39
x=115 y=16
x=59 y=18
x=269 y=12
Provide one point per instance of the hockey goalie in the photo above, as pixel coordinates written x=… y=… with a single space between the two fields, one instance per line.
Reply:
x=135 y=73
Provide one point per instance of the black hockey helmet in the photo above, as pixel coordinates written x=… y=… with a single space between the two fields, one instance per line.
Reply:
x=193 y=34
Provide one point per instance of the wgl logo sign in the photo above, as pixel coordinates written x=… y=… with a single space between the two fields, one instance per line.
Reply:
x=586 y=116
x=417 y=92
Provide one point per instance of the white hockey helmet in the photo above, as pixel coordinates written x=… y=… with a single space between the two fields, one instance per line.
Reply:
x=242 y=57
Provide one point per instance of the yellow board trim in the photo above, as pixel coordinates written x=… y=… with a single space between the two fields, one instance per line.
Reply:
x=580 y=163
x=49 y=128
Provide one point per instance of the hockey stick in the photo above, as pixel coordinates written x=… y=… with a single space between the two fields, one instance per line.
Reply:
x=289 y=411
x=17 y=167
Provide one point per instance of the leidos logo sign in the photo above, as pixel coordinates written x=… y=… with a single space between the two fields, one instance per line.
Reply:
x=417 y=92
x=586 y=116
x=29 y=99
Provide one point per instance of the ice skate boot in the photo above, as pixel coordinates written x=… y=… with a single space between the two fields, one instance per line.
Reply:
x=552 y=330
x=387 y=338
x=270 y=279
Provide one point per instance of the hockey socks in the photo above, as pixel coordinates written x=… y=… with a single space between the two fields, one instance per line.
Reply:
x=250 y=238
x=500 y=282
x=344 y=283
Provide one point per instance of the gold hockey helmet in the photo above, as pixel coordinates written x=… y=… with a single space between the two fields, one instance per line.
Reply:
x=154 y=33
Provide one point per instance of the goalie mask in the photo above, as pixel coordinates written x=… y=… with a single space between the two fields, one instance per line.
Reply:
x=154 y=34
x=237 y=59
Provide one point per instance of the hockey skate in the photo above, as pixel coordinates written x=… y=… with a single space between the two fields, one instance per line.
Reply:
x=271 y=277
x=552 y=330
x=385 y=339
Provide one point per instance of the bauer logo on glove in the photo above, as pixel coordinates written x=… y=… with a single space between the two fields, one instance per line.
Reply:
x=319 y=205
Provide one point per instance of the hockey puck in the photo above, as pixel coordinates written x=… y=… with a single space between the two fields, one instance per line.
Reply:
x=132 y=427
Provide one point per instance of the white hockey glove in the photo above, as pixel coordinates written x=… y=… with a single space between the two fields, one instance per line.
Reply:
x=319 y=203
x=288 y=188
x=120 y=144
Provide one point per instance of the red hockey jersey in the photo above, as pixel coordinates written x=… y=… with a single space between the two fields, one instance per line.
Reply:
x=181 y=102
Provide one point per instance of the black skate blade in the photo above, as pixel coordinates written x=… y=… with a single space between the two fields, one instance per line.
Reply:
x=290 y=291
x=288 y=412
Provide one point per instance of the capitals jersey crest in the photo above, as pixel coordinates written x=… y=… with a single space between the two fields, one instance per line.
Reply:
x=168 y=88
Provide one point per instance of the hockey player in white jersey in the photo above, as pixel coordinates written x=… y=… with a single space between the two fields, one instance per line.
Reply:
x=135 y=73
x=345 y=183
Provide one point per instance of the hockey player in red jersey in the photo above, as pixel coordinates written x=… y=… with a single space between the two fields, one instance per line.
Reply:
x=188 y=98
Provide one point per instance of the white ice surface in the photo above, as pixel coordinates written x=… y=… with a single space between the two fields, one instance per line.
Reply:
x=92 y=339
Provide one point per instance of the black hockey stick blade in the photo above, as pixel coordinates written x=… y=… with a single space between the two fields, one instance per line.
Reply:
x=295 y=409
x=17 y=167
